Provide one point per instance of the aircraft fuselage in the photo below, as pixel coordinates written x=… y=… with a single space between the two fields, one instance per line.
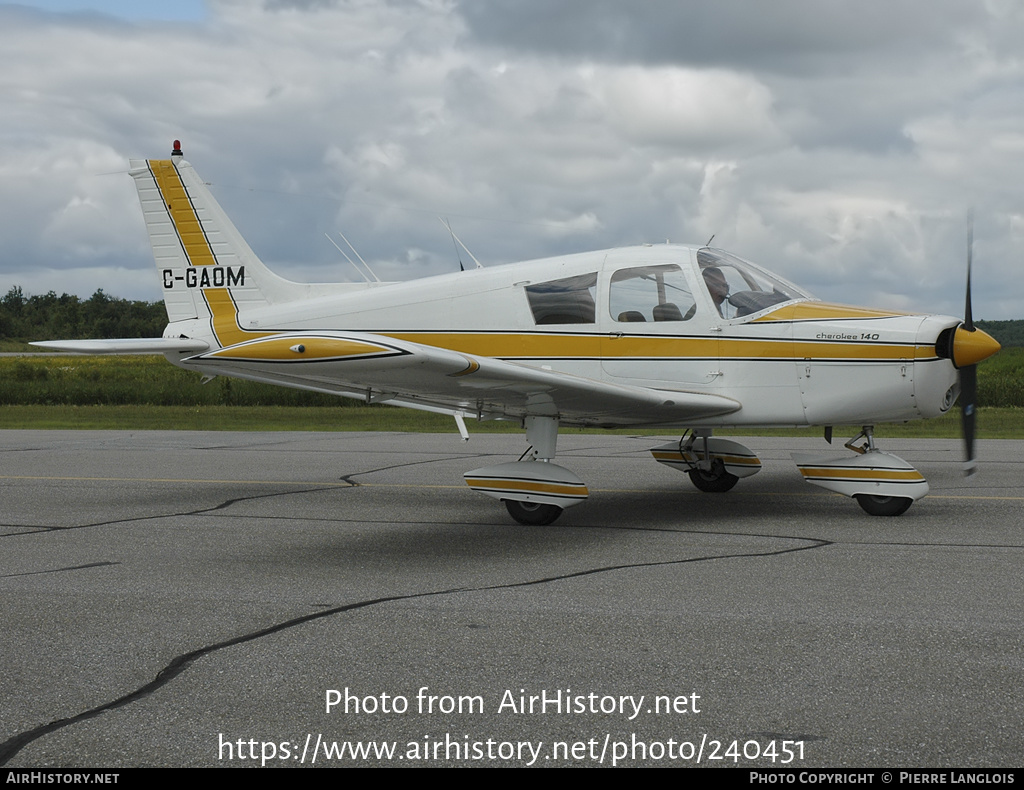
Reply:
x=800 y=362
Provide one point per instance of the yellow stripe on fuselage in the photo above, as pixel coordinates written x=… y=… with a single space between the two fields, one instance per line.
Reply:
x=543 y=345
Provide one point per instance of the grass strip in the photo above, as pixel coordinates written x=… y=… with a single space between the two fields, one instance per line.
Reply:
x=993 y=423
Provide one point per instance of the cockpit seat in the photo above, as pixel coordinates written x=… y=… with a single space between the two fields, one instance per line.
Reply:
x=667 y=311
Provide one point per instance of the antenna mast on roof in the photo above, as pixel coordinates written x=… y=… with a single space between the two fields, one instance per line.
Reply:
x=360 y=257
x=470 y=254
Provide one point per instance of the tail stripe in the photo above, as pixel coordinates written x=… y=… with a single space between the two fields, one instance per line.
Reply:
x=194 y=240
x=179 y=205
x=225 y=318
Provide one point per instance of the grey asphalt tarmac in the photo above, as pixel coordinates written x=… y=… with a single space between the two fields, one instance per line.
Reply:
x=198 y=599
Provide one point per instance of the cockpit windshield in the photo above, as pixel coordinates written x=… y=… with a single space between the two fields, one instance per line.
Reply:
x=739 y=288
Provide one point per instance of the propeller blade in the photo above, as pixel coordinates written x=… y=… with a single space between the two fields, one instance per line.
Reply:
x=968 y=399
x=968 y=313
x=969 y=373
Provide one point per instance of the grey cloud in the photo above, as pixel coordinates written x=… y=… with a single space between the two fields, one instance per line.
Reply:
x=832 y=147
x=781 y=36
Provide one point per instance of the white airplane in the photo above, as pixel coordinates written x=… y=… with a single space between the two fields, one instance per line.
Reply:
x=682 y=337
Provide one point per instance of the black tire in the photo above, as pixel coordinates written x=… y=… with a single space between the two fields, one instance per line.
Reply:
x=532 y=514
x=715 y=482
x=884 y=505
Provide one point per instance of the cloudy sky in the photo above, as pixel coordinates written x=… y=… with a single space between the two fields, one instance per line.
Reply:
x=840 y=144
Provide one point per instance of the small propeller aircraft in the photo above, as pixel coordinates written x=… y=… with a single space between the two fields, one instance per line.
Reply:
x=684 y=337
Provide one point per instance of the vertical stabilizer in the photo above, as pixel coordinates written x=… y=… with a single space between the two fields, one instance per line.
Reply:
x=208 y=273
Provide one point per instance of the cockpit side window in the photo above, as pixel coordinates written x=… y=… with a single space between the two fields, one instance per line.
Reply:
x=566 y=301
x=739 y=288
x=651 y=293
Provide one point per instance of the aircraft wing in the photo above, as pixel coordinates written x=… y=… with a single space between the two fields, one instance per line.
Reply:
x=379 y=368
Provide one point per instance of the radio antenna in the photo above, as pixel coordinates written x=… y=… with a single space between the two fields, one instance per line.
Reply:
x=347 y=258
x=360 y=257
x=470 y=254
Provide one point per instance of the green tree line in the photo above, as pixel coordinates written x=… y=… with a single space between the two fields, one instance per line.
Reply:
x=1008 y=333
x=67 y=317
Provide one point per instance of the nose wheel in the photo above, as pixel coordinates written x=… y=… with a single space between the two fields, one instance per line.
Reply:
x=532 y=514
x=883 y=505
x=882 y=483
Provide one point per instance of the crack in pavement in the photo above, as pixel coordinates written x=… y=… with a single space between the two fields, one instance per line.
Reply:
x=348 y=478
x=10 y=748
x=36 y=529
x=60 y=570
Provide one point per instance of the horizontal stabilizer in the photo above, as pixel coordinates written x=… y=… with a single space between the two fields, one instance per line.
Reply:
x=130 y=345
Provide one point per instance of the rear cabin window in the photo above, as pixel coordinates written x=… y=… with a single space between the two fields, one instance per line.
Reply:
x=568 y=301
x=651 y=293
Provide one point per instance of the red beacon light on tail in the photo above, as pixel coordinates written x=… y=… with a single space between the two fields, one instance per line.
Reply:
x=176 y=151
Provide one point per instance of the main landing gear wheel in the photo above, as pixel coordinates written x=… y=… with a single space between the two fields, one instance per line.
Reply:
x=884 y=505
x=532 y=514
x=717 y=481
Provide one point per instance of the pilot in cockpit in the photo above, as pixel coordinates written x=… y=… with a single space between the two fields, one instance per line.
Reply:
x=718 y=287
